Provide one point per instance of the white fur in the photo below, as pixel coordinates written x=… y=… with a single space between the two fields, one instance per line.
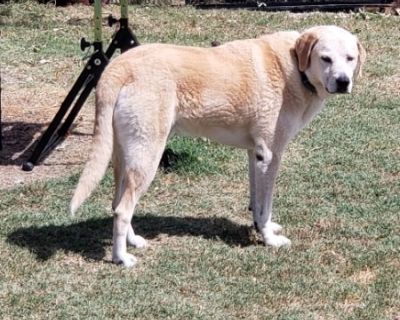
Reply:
x=246 y=93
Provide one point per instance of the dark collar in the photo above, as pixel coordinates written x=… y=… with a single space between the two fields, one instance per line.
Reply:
x=307 y=83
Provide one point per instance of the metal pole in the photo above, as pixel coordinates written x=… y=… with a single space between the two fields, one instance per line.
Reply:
x=97 y=21
x=124 y=9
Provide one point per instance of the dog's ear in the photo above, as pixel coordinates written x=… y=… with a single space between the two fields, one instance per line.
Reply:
x=362 y=55
x=304 y=45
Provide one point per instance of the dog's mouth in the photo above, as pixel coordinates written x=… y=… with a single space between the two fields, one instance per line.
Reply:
x=329 y=91
x=337 y=91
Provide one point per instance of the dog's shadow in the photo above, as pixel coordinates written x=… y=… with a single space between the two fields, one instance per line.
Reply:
x=91 y=238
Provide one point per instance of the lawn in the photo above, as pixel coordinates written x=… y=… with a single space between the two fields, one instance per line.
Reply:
x=337 y=194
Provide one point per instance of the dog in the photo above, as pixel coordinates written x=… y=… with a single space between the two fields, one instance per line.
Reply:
x=252 y=94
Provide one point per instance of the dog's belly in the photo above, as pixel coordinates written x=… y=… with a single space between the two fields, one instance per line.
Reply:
x=238 y=137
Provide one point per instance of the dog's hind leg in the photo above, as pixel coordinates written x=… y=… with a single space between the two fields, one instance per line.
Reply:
x=122 y=218
x=117 y=166
x=133 y=240
x=135 y=180
x=141 y=123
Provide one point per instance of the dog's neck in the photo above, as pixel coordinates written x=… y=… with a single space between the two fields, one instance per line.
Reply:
x=304 y=79
x=306 y=83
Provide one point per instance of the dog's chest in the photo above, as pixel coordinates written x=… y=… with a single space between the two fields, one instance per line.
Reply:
x=236 y=136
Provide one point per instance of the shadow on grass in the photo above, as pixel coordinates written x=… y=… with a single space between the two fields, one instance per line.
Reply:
x=18 y=141
x=90 y=238
x=17 y=138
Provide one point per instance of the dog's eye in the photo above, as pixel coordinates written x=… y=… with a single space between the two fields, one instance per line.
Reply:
x=350 y=58
x=326 y=59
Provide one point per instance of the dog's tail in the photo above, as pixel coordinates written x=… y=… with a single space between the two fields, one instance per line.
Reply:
x=102 y=145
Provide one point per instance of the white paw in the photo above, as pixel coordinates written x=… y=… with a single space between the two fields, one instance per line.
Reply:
x=137 y=241
x=277 y=240
x=275 y=227
x=128 y=260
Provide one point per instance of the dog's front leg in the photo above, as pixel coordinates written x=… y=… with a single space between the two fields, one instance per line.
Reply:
x=266 y=170
x=252 y=182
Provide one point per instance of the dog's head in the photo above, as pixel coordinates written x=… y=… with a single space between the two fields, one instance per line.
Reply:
x=331 y=57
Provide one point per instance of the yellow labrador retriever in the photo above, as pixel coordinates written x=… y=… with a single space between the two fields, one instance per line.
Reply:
x=252 y=94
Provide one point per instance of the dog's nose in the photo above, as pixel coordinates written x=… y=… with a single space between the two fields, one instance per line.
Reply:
x=342 y=83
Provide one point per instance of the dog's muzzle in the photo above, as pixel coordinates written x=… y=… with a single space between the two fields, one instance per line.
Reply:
x=342 y=84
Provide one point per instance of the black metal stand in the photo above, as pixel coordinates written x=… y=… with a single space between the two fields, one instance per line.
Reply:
x=1 y=130
x=124 y=39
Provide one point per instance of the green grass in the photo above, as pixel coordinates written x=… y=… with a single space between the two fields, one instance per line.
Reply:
x=337 y=196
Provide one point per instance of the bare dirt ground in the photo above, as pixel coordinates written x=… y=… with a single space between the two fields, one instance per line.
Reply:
x=34 y=84
x=26 y=113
